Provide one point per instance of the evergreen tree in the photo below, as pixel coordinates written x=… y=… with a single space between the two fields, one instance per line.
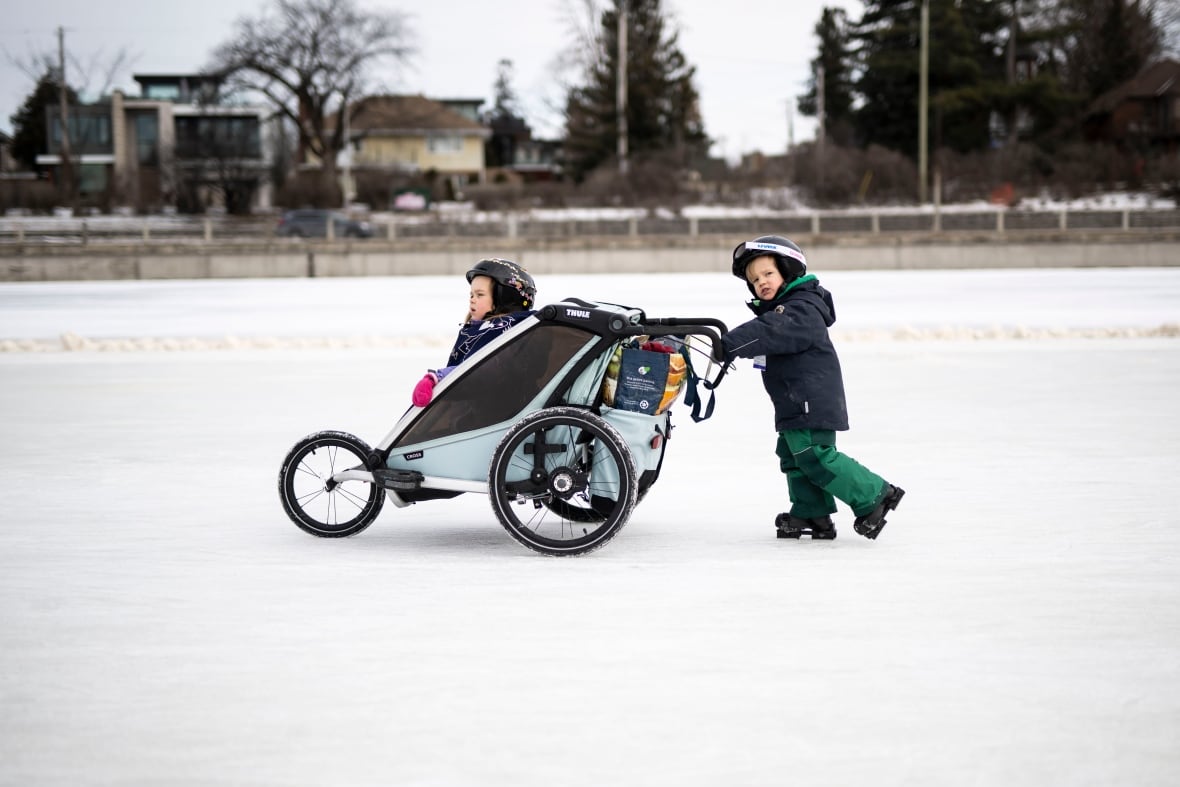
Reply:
x=967 y=70
x=835 y=56
x=504 y=96
x=663 y=113
x=887 y=38
x=30 y=132
x=509 y=130
x=1093 y=45
x=1122 y=42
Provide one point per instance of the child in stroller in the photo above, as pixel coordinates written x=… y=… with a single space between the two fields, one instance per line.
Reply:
x=502 y=294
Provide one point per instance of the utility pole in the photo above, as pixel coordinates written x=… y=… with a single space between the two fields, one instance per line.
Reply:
x=621 y=93
x=790 y=124
x=790 y=141
x=1013 y=26
x=923 y=99
x=819 y=129
x=67 y=163
x=347 y=191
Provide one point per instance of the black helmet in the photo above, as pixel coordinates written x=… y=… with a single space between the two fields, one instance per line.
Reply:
x=514 y=288
x=787 y=256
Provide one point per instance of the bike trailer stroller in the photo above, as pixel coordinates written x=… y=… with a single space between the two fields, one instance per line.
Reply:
x=524 y=421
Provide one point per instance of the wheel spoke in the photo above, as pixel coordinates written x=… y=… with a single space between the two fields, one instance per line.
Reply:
x=352 y=497
x=302 y=468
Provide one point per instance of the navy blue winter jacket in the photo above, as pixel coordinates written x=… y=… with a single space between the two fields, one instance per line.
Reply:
x=802 y=372
x=476 y=333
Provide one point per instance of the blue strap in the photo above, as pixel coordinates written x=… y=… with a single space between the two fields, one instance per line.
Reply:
x=692 y=397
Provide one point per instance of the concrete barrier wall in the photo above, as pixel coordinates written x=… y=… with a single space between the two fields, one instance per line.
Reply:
x=391 y=259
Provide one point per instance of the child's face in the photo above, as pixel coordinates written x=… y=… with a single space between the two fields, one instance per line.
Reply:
x=763 y=275
x=480 y=301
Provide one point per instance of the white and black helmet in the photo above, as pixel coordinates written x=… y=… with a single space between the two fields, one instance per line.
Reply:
x=514 y=288
x=787 y=256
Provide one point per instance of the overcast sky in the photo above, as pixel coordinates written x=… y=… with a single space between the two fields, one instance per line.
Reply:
x=751 y=55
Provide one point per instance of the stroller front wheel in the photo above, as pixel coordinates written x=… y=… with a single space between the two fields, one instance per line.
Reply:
x=314 y=500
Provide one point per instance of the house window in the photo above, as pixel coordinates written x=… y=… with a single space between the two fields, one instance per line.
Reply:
x=92 y=178
x=444 y=144
x=88 y=134
x=218 y=136
x=163 y=92
x=147 y=128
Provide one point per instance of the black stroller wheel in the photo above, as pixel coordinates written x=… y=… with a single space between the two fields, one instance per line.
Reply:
x=562 y=481
x=317 y=503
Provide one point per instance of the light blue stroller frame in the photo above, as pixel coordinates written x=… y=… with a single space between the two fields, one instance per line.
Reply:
x=522 y=421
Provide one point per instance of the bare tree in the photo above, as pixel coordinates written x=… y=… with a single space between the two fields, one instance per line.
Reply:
x=311 y=58
x=89 y=75
x=1168 y=17
x=578 y=58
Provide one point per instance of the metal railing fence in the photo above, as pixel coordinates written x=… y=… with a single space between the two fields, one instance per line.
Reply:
x=181 y=229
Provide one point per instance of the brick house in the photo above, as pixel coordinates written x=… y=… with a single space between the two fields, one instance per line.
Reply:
x=1142 y=113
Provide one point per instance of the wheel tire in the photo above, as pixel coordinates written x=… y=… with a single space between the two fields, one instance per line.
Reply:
x=591 y=464
x=317 y=506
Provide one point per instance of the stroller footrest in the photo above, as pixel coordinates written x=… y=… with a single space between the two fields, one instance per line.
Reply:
x=398 y=480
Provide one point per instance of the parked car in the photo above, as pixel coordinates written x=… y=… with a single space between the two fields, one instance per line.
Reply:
x=314 y=224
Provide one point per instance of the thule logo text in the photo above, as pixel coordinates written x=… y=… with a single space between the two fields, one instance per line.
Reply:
x=581 y=314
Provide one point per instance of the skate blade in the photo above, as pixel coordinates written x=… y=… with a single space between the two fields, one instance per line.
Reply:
x=798 y=534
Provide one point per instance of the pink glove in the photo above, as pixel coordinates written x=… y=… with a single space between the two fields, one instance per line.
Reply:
x=424 y=390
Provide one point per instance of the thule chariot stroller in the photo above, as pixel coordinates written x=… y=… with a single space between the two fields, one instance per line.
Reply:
x=524 y=421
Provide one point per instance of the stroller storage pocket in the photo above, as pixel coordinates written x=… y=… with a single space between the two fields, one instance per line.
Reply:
x=644 y=378
x=640 y=431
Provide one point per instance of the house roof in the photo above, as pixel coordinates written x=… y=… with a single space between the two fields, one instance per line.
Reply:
x=398 y=115
x=1160 y=78
x=169 y=79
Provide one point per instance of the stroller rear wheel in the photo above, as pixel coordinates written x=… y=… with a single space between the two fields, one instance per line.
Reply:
x=563 y=481
x=314 y=500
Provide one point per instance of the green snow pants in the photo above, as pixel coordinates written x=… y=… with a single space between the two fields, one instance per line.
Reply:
x=816 y=473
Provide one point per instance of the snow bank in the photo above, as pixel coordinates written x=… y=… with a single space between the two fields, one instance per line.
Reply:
x=72 y=342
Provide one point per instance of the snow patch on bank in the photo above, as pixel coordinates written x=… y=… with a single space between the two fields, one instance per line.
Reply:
x=72 y=342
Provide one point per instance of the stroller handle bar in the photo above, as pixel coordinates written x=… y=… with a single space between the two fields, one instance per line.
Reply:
x=628 y=321
x=707 y=327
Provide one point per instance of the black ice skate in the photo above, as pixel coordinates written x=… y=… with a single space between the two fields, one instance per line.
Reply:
x=819 y=528
x=871 y=524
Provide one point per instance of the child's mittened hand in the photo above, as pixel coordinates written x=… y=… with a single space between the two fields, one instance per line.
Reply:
x=424 y=390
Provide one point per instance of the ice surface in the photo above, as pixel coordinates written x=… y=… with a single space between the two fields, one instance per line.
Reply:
x=426 y=310
x=1017 y=623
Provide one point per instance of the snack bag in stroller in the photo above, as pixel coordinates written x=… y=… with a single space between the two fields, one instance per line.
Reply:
x=645 y=376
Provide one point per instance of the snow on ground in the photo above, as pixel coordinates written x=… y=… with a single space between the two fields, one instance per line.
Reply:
x=1017 y=623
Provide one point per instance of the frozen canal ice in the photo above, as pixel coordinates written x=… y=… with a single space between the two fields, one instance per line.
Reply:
x=1017 y=623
